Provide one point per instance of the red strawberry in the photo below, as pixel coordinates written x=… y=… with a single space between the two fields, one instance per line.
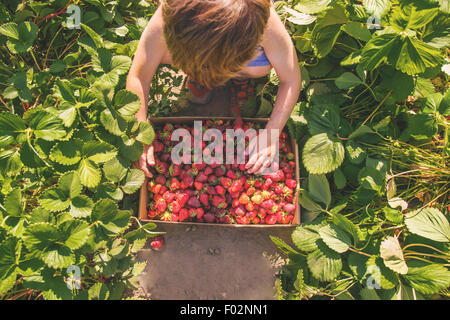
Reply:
x=186 y=181
x=262 y=212
x=220 y=171
x=291 y=183
x=152 y=214
x=278 y=189
x=231 y=174
x=239 y=211
x=198 y=186
x=289 y=207
x=235 y=203
x=163 y=190
x=251 y=214
x=258 y=183
x=174 y=217
x=175 y=184
x=220 y=190
x=156 y=197
x=157 y=146
x=225 y=219
x=194 y=202
x=196 y=213
x=250 y=206
x=243 y=220
x=174 y=207
x=268 y=204
x=160 y=179
x=257 y=198
x=209 y=218
x=201 y=177
x=242 y=167
x=183 y=214
x=212 y=179
x=271 y=219
x=156 y=188
x=266 y=185
x=265 y=194
x=233 y=195
x=182 y=198
x=256 y=220
x=225 y=182
x=161 y=167
x=210 y=190
x=169 y=196
x=208 y=171
x=204 y=199
x=250 y=191
x=160 y=205
x=236 y=186
x=157 y=243
x=219 y=202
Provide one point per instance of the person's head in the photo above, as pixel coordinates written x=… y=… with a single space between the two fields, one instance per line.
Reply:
x=212 y=40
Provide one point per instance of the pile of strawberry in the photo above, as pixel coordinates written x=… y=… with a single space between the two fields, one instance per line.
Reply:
x=219 y=193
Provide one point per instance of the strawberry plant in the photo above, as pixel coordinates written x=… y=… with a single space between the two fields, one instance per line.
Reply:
x=372 y=127
x=68 y=136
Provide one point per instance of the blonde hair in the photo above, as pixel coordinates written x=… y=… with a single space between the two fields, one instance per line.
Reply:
x=212 y=40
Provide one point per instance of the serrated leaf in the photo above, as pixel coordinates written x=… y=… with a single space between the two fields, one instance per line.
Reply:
x=47 y=126
x=322 y=154
x=378 y=275
x=81 y=206
x=113 y=122
x=324 y=263
x=99 y=291
x=133 y=181
x=312 y=6
x=345 y=224
x=13 y=203
x=392 y=255
x=66 y=152
x=429 y=223
x=347 y=80
x=377 y=7
x=283 y=246
x=357 y=30
x=323 y=119
x=339 y=179
x=335 y=238
x=305 y=239
x=428 y=278
x=76 y=233
x=11 y=126
x=98 y=152
x=127 y=103
x=114 y=170
x=146 y=133
x=90 y=174
x=9 y=257
x=70 y=184
x=54 y=200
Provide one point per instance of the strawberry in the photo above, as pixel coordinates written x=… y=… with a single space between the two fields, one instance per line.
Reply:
x=219 y=202
x=258 y=183
x=239 y=211
x=257 y=198
x=266 y=185
x=169 y=196
x=156 y=188
x=225 y=219
x=291 y=183
x=262 y=212
x=210 y=190
x=160 y=205
x=250 y=206
x=166 y=216
x=183 y=214
x=242 y=167
x=289 y=207
x=231 y=174
x=186 y=181
x=251 y=214
x=157 y=146
x=156 y=197
x=236 y=186
x=201 y=177
x=152 y=214
x=182 y=198
x=194 y=202
x=160 y=179
x=212 y=179
x=256 y=220
x=220 y=171
x=161 y=167
x=208 y=171
x=163 y=189
x=271 y=219
x=220 y=190
x=225 y=182
x=268 y=204
x=174 y=207
x=174 y=217
x=278 y=189
x=234 y=195
x=174 y=184
x=209 y=218
x=250 y=191
x=265 y=194
x=244 y=199
x=198 y=186
x=243 y=220
x=196 y=213
x=204 y=199
x=235 y=203
x=157 y=243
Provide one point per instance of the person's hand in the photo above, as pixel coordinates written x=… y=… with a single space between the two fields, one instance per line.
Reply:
x=261 y=158
x=147 y=159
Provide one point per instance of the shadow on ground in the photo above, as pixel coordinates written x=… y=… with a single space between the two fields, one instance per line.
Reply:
x=213 y=262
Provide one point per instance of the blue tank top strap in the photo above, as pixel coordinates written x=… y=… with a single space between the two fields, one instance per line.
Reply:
x=260 y=60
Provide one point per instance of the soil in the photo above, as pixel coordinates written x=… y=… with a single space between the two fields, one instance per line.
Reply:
x=212 y=262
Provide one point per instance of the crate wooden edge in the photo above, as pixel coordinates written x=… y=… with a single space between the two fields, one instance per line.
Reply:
x=143 y=196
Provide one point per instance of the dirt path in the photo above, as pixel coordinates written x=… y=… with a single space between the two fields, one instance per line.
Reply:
x=213 y=262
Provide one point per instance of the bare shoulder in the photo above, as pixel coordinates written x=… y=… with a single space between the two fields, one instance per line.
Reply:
x=154 y=28
x=275 y=31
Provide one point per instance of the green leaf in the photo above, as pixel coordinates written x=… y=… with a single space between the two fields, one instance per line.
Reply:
x=265 y=108
x=98 y=41
x=362 y=130
x=66 y=152
x=393 y=215
x=47 y=126
x=20 y=37
x=13 y=203
x=324 y=263
x=283 y=246
x=99 y=291
x=357 y=30
x=115 y=170
x=379 y=275
x=76 y=233
x=428 y=278
x=371 y=179
x=347 y=80
x=429 y=223
x=312 y=6
x=54 y=200
x=70 y=184
x=98 y=152
x=90 y=174
x=319 y=189
x=81 y=206
x=127 y=103
x=323 y=154
x=323 y=119
x=146 y=134
x=9 y=257
x=377 y=7
x=335 y=238
x=345 y=224
x=307 y=203
x=11 y=126
x=113 y=122
x=305 y=239
x=298 y=17
x=392 y=255
x=133 y=181
x=339 y=179
x=422 y=126
x=58 y=66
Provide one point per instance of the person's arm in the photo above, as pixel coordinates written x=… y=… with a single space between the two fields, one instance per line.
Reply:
x=147 y=58
x=281 y=53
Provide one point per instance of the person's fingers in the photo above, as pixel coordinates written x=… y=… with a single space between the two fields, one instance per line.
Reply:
x=251 y=162
x=266 y=164
x=150 y=156
x=143 y=166
x=258 y=163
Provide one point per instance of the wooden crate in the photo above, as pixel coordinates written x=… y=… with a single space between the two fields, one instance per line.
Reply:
x=143 y=199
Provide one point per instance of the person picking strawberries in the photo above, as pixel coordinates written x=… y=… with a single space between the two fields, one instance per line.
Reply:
x=213 y=42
